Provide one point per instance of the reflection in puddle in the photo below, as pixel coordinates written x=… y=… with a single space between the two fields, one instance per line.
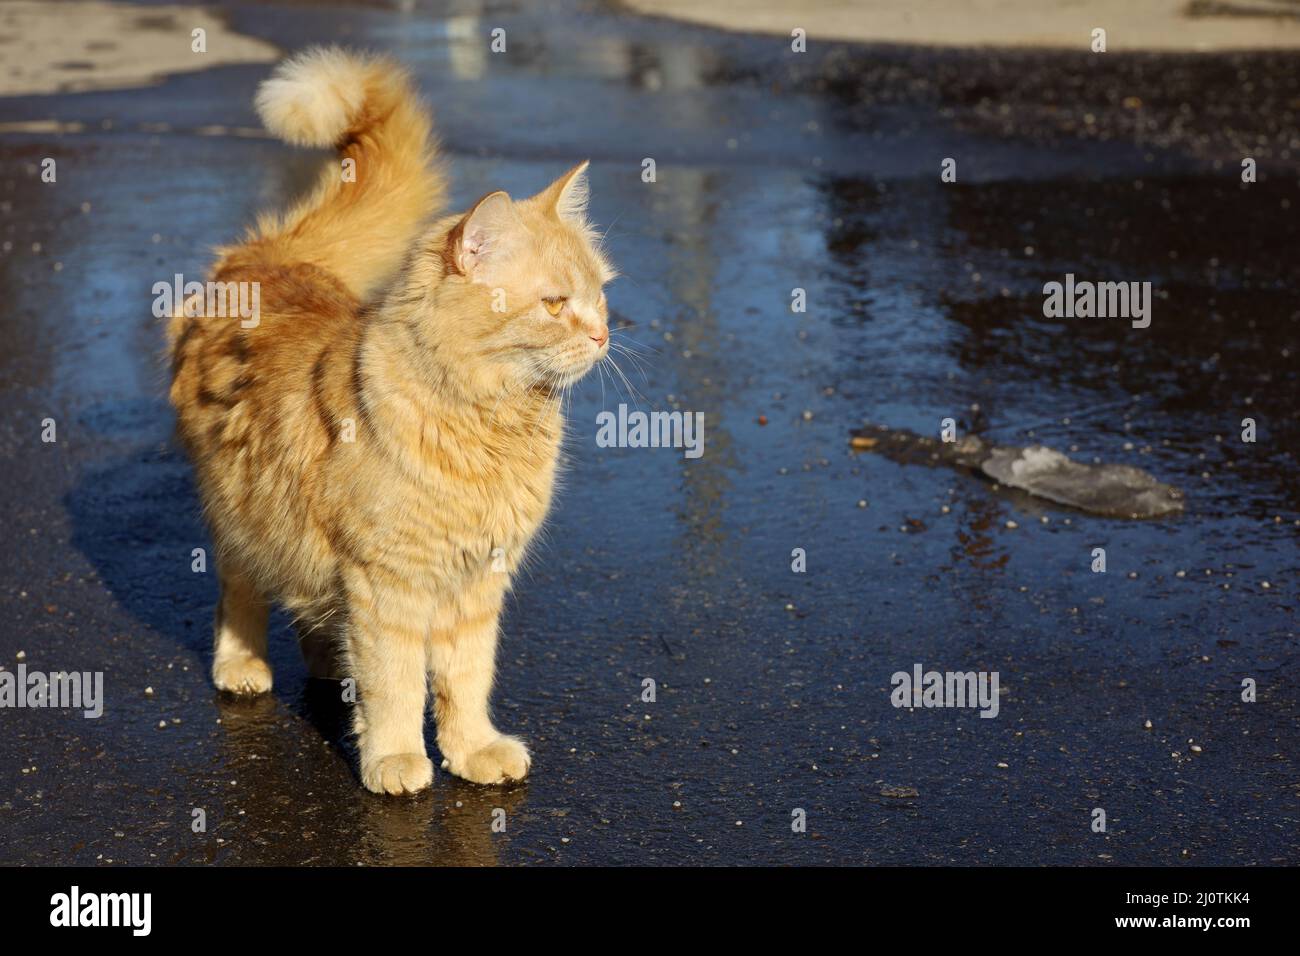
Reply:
x=272 y=776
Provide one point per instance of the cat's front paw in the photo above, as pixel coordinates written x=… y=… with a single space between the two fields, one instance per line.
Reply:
x=242 y=675
x=397 y=773
x=505 y=759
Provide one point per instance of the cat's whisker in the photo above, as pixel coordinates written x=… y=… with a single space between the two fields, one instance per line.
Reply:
x=629 y=344
x=632 y=389
x=600 y=370
x=627 y=340
x=635 y=360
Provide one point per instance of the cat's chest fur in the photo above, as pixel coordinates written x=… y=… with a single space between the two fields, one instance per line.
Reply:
x=512 y=492
x=458 y=482
x=474 y=492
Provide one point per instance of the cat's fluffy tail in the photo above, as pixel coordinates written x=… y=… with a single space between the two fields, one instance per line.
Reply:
x=363 y=215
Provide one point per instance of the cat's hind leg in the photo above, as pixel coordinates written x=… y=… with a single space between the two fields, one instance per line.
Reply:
x=239 y=663
x=322 y=645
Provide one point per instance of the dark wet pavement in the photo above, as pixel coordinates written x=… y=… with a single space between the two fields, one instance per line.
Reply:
x=924 y=298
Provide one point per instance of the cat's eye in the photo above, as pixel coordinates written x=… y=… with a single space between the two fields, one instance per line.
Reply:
x=554 y=304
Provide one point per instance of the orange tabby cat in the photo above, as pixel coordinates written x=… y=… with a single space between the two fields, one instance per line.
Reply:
x=379 y=447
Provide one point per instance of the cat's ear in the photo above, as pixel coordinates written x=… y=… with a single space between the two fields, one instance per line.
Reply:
x=567 y=196
x=483 y=234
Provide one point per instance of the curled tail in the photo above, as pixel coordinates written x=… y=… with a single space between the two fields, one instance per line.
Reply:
x=362 y=216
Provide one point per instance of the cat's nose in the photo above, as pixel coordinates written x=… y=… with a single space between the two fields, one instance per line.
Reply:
x=600 y=338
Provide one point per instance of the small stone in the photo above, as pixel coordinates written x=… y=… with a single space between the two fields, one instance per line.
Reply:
x=900 y=793
x=20 y=656
x=1147 y=725
x=1012 y=525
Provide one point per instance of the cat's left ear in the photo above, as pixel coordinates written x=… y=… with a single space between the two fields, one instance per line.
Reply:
x=567 y=196
x=483 y=235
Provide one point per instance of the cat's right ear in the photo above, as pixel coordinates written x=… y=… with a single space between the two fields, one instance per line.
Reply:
x=482 y=235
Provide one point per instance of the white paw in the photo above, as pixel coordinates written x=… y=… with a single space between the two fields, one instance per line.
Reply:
x=398 y=773
x=506 y=758
x=242 y=675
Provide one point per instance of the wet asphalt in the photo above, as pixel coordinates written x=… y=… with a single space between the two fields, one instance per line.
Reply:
x=775 y=171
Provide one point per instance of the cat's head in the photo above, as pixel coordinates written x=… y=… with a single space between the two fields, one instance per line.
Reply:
x=523 y=284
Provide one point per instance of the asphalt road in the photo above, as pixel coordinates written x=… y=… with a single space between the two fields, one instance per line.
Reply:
x=775 y=171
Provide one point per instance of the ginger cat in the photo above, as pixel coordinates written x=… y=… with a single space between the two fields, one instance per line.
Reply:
x=378 y=450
